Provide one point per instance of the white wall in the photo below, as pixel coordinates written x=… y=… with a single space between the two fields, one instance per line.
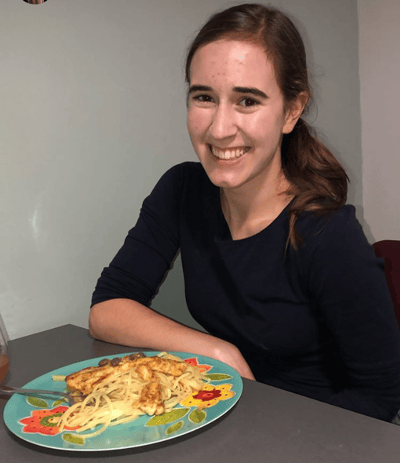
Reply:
x=380 y=102
x=93 y=112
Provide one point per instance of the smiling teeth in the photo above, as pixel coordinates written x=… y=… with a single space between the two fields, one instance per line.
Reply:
x=229 y=153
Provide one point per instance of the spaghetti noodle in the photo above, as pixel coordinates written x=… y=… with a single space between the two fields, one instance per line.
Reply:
x=147 y=385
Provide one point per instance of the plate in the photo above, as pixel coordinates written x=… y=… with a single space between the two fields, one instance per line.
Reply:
x=31 y=420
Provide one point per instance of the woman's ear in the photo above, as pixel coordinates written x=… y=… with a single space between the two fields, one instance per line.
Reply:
x=294 y=112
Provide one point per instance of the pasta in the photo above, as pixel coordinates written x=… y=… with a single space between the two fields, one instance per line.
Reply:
x=146 y=385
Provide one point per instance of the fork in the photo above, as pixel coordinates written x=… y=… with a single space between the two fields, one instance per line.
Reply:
x=35 y=392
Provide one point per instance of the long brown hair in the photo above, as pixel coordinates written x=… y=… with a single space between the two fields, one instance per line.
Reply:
x=318 y=181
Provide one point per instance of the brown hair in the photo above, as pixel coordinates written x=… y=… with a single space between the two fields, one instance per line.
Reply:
x=318 y=181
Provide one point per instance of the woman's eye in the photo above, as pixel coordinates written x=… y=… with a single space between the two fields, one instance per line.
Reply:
x=247 y=102
x=203 y=98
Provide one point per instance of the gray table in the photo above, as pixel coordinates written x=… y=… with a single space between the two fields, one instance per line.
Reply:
x=266 y=425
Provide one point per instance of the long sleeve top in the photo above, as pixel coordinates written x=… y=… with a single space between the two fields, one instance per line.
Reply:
x=317 y=321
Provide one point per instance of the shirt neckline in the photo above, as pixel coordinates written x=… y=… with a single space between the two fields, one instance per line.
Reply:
x=224 y=233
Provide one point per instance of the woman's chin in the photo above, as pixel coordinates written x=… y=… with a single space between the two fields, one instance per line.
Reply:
x=224 y=173
x=224 y=181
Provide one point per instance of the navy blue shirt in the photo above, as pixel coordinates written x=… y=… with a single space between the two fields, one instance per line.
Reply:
x=317 y=321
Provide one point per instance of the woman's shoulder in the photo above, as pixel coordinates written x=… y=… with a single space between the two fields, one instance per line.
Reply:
x=338 y=232
x=183 y=183
x=180 y=175
x=340 y=221
x=191 y=178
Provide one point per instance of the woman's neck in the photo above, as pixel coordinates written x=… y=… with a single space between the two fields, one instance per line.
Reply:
x=251 y=208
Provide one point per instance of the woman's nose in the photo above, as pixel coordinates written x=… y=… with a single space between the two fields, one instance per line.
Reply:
x=223 y=124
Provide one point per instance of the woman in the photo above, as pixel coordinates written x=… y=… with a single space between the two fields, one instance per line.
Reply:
x=276 y=267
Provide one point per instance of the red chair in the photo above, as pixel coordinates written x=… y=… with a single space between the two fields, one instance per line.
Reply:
x=390 y=251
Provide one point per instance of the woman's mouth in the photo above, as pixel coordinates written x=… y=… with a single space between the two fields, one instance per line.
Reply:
x=228 y=153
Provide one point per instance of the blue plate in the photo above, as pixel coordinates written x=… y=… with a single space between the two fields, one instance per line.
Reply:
x=31 y=419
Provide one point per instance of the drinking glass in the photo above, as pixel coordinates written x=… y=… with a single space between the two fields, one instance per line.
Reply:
x=4 y=360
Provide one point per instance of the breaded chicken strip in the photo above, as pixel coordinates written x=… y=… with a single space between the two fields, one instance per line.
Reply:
x=150 y=401
x=84 y=381
x=166 y=366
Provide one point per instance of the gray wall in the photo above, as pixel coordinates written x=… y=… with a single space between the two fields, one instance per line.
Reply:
x=380 y=100
x=93 y=112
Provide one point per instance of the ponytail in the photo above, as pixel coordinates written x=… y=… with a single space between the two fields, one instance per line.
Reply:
x=318 y=181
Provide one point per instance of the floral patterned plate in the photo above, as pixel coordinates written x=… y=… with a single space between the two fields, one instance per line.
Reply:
x=31 y=418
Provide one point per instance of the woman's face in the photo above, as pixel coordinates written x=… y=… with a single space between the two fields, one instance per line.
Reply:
x=236 y=114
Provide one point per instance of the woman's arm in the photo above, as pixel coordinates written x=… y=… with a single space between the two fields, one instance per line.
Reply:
x=120 y=312
x=127 y=322
x=348 y=284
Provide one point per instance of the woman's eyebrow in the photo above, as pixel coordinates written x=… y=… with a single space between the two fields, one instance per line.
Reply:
x=199 y=88
x=251 y=90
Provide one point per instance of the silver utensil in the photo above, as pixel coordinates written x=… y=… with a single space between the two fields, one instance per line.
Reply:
x=35 y=392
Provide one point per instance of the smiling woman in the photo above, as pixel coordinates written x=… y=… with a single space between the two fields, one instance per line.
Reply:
x=272 y=256
x=236 y=127
x=273 y=55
